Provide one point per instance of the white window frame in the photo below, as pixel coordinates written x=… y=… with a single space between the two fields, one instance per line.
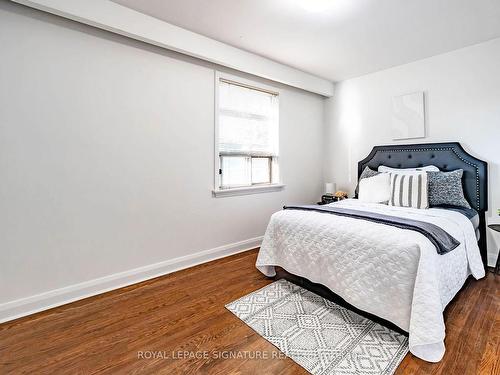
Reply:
x=254 y=189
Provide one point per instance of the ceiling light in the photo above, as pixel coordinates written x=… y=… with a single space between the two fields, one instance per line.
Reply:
x=316 y=6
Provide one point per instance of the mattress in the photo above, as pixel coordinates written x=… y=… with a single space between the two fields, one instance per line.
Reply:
x=390 y=272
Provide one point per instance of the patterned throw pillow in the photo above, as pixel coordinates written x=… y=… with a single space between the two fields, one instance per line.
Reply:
x=409 y=190
x=367 y=172
x=446 y=188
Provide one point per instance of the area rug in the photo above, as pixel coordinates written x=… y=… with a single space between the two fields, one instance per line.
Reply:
x=319 y=335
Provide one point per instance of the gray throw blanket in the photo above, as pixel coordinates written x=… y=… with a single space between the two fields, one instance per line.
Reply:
x=443 y=241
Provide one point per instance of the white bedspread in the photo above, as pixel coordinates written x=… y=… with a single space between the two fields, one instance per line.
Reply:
x=393 y=273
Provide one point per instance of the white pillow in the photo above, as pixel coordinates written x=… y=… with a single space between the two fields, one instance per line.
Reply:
x=428 y=168
x=376 y=189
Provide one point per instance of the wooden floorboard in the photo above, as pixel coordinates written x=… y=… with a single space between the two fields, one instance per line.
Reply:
x=184 y=313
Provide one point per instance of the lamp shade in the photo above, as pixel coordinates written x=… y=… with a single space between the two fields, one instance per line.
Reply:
x=330 y=188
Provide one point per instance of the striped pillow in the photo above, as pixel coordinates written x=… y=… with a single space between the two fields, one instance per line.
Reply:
x=409 y=190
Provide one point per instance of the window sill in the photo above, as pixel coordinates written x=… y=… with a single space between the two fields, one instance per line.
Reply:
x=247 y=190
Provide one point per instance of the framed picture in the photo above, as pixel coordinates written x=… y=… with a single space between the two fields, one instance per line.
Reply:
x=408 y=116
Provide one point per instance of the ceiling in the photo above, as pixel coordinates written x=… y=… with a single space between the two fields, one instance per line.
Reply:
x=335 y=39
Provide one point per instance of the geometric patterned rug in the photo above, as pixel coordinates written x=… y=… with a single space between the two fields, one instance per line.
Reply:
x=319 y=335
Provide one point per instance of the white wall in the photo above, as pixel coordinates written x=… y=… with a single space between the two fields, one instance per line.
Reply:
x=462 y=91
x=106 y=158
x=122 y=20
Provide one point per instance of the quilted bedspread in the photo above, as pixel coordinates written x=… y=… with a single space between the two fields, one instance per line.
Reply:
x=393 y=273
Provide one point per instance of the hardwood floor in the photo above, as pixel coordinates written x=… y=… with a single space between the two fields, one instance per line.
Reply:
x=184 y=312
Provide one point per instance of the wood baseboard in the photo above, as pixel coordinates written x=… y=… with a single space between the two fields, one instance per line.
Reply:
x=57 y=297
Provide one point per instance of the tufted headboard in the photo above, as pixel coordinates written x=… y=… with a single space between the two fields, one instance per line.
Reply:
x=445 y=156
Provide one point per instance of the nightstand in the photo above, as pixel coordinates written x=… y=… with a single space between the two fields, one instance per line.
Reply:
x=496 y=228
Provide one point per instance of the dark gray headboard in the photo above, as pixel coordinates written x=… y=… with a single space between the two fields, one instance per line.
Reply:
x=447 y=157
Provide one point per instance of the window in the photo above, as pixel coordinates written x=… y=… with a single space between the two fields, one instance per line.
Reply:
x=247 y=130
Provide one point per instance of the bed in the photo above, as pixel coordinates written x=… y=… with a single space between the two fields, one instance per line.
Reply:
x=391 y=274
